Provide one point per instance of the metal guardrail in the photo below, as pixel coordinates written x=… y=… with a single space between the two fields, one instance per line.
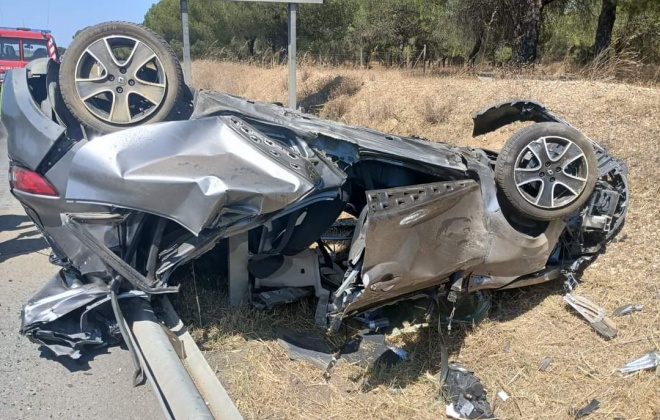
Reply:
x=184 y=383
x=215 y=395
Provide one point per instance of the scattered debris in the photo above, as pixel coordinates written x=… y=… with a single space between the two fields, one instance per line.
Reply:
x=317 y=358
x=545 y=363
x=374 y=324
x=451 y=411
x=465 y=394
x=587 y=409
x=369 y=349
x=627 y=309
x=366 y=349
x=503 y=395
x=648 y=361
x=592 y=313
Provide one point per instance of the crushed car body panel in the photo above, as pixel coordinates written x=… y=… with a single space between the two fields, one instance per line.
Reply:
x=418 y=236
x=192 y=172
x=24 y=120
x=503 y=113
x=48 y=318
x=335 y=139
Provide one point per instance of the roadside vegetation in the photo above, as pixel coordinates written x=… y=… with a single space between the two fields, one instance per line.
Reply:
x=603 y=38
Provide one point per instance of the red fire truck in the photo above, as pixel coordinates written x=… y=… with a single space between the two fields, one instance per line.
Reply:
x=19 y=46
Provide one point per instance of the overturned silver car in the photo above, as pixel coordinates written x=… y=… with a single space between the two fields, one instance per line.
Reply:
x=125 y=197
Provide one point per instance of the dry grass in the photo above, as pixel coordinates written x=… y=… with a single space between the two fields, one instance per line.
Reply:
x=524 y=326
x=610 y=64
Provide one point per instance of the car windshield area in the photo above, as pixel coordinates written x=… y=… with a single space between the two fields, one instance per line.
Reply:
x=10 y=49
x=34 y=48
x=22 y=49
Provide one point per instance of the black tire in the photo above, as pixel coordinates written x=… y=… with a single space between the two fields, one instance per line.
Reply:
x=520 y=172
x=140 y=93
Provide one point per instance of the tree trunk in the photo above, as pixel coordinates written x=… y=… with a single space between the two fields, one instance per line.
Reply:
x=605 y=25
x=476 y=48
x=527 y=30
x=250 y=43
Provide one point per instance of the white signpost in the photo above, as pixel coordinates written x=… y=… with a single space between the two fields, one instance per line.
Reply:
x=293 y=11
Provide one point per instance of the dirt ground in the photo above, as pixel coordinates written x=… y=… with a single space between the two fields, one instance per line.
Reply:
x=524 y=325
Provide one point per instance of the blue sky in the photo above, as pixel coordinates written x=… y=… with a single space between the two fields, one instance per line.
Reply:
x=67 y=16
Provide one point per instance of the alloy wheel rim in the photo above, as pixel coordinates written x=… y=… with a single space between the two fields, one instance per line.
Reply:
x=120 y=80
x=551 y=172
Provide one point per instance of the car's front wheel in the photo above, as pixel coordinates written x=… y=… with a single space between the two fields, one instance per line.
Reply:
x=547 y=170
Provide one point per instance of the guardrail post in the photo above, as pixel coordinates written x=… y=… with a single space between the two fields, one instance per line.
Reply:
x=238 y=272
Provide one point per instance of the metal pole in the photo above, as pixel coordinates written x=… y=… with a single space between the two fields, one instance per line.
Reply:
x=424 y=59
x=239 y=279
x=187 y=69
x=293 y=8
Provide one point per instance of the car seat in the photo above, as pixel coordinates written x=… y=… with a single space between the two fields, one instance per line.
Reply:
x=40 y=53
x=294 y=233
x=10 y=53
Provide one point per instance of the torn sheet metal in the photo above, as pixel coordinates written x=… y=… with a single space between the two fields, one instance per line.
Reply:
x=593 y=313
x=44 y=321
x=47 y=318
x=417 y=236
x=648 y=361
x=627 y=309
x=587 y=409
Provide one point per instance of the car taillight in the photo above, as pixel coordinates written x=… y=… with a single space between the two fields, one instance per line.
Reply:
x=30 y=182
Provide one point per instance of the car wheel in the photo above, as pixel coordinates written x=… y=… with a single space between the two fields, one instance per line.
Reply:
x=118 y=75
x=547 y=170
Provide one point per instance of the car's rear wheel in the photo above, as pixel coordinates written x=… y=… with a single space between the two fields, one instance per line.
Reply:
x=120 y=74
x=547 y=170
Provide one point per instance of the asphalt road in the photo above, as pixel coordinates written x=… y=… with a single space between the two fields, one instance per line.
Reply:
x=34 y=384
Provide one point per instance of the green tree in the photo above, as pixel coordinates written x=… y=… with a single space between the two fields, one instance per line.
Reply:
x=206 y=21
x=494 y=30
